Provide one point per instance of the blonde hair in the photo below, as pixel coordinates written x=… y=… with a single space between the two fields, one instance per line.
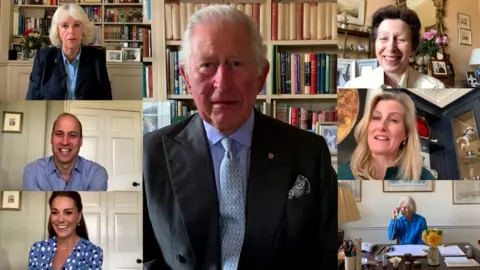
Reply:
x=409 y=159
x=61 y=15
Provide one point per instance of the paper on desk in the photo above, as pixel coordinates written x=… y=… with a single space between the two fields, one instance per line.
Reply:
x=460 y=262
x=450 y=251
x=415 y=250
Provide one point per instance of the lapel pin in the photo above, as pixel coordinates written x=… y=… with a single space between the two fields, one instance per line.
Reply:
x=270 y=156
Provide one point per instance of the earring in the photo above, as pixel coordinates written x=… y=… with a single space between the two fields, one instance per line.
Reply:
x=404 y=142
x=78 y=224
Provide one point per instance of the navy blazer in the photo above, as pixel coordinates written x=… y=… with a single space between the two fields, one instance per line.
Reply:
x=48 y=80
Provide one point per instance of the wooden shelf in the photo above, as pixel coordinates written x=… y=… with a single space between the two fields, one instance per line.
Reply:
x=304 y=42
x=353 y=32
x=304 y=96
x=259 y=97
x=173 y=42
x=430 y=145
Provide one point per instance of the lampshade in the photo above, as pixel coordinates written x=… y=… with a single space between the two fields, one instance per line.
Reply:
x=475 y=57
x=347 y=208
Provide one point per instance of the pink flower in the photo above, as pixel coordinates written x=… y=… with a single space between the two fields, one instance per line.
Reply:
x=433 y=31
x=428 y=35
x=445 y=39
x=438 y=40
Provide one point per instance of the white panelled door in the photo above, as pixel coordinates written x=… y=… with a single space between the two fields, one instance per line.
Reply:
x=113 y=138
x=125 y=230
x=114 y=223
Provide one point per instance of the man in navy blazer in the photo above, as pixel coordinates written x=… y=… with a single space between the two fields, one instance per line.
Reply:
x=48 y=80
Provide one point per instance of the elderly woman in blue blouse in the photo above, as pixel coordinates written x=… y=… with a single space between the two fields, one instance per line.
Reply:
x=408 y=228
x=67 y=246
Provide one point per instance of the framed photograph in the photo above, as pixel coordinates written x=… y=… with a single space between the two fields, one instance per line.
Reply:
x=329 y=132
x=439 y=68
x=345 y=71
x=17 y=47
x=450 y=70
x=11 y=200
x=465 y=192
x=131 y=55
x=365 y=65
x=465 y=36
x=464 y=21
x=12 y=122
x=353 y=10
x=407 y=185
x=356 y=186
x=114 y=55
x=471 y=79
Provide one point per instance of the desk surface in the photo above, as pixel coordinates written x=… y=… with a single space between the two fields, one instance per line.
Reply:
x=371 y=257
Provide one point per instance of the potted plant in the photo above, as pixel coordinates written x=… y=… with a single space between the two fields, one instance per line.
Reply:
x=31 y=42
x=431 y=43
x=432 y=237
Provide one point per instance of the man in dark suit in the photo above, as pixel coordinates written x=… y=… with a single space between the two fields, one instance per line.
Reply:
x=231 y=188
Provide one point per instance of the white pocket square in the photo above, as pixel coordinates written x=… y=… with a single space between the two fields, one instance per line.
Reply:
x=300 y=188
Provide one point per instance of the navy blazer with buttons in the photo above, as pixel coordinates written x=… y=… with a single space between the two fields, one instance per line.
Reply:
x=48 y=80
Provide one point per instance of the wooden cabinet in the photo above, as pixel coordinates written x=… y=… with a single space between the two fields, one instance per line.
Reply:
x=125 y=79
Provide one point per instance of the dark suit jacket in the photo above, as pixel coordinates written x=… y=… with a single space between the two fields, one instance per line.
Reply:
x=48 y=80
x=181 y=209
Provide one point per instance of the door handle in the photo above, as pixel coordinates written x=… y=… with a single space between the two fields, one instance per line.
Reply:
x=139 y=261
x=135 y=184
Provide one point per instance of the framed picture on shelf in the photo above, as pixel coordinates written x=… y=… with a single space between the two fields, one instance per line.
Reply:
x=464 y=37
x=365 y=65
x=12 y=122
x=345 y=71
x=114 y=55
x=356 y=186
x=131 y=55
x=439 y=68
x=329 y=133
x=464 y=21
x=465 y=192
x=407 y=185
x=17 y=47
x=11 y=200
x=471 y=79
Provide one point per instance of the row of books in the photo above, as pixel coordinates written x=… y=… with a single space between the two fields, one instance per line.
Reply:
x=304 y=21
x=177 y=15
x=22 y=24
x=124 y=32
x=303 y=118
x=304 y=73
x=123 y=15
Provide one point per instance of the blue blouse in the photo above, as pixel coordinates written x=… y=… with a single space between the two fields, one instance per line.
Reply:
x=409 y=232
x=84 y=255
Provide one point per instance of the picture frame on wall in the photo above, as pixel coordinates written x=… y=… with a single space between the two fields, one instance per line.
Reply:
x=408 y=185
x=11 y=200
x=345 y=71
x=466 y=192
x=353 y=10
x=464 y=37
x=365 y=65
x=12 y=122
x=464 y=21
x=330 y=134
x=356 y=186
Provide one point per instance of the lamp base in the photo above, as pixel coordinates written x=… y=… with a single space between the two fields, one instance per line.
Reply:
x=341 y=235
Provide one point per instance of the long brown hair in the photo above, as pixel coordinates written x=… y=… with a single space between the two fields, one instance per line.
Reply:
x=81 y=229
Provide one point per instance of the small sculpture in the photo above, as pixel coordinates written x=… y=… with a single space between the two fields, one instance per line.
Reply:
x=469 y=135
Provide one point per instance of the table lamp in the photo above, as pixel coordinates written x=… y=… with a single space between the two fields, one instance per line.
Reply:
x=475 y=61
x=347 y=209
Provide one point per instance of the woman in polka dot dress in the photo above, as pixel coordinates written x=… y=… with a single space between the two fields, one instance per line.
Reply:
x=67 y=246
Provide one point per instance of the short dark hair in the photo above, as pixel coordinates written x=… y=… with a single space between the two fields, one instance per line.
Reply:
x=405 y=14
x=81 y=229
x=71 y=115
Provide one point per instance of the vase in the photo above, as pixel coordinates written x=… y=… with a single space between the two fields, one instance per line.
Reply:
x=29 y=54
x=433 y=256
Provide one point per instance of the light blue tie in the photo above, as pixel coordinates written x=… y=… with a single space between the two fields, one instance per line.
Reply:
x=232 y=207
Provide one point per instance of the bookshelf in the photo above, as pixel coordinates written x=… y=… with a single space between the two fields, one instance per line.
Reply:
x=165 y=42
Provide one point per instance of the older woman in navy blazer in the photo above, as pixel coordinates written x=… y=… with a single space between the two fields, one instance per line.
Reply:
x=70 y=70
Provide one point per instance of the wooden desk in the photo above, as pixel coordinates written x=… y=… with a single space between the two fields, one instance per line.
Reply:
x=371 y=257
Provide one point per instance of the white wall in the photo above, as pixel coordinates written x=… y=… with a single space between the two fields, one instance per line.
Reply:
x=461 y=223
x=20 y=229
x=16 y=150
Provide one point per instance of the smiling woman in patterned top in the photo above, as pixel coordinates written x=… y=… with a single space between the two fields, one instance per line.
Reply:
x=67 y=246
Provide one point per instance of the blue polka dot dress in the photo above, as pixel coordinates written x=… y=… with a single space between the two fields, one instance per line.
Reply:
x=84 y=256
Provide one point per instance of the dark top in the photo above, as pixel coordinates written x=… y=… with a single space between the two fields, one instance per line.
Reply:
x=48 y=80
x=345 y=173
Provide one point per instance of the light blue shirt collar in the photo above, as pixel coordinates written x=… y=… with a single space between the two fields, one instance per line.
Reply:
x=78 y=164
x=243 y=135
x=75 y=61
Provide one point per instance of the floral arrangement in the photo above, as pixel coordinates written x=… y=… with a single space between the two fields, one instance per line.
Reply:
x=432 y=237
x=32 y=41
x=431 y=43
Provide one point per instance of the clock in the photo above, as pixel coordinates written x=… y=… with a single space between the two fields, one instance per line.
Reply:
x=439 y=55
